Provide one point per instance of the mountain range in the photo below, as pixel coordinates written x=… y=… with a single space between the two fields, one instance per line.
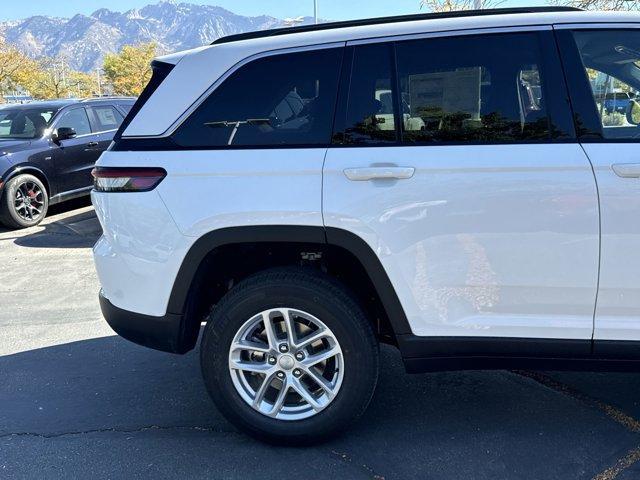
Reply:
x=84 y=40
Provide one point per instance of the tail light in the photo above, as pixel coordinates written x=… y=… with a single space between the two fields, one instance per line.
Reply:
x=125 y=179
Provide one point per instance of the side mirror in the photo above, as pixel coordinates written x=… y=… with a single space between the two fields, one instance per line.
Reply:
x=633 y=112
x=63 y=133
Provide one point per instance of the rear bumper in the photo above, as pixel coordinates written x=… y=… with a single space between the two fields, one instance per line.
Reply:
x=164 y=333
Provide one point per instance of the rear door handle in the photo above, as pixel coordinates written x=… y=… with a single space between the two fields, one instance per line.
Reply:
x=379 y=173
x=92 y=144
x=627 y=170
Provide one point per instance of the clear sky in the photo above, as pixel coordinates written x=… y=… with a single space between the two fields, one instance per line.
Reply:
x=330 y=9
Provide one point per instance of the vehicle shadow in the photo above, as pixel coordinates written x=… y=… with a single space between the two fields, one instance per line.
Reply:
x=66 y=229
x=105 y=405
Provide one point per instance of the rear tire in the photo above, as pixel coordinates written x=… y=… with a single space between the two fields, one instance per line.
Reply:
x=24 y=202
x=302 y=299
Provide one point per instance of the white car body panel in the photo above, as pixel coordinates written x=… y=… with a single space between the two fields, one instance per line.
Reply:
x=243 y=187
x=140 y=251
x=497 y=241
x=203 y=192
x=618 y=307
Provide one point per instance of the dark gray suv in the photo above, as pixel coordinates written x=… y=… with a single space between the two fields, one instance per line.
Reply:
x=47 y=151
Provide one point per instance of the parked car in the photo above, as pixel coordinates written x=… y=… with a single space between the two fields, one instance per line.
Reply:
x=255 y=188
x=617 y=102
x=47 y=151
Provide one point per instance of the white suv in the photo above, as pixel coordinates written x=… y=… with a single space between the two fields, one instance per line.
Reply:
x=453 y=185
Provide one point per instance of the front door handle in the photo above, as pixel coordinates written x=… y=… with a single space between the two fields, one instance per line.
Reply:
x=92 y=144
x=379 y=173
x=627 y=170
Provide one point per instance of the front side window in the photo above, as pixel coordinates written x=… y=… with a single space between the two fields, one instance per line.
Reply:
x=286 y=99
x=485 y=88
x=611 y=59
x=24 y=123
x=76 y=119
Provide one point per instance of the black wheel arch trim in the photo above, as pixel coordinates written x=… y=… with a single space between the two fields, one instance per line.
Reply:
x=20 y=169
x=187 y=274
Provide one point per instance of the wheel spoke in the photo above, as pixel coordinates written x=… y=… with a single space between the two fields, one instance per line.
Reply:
x=245 y=345
x=270 y=331
x=254 y=367
x=279 y=403
x=322 y=356
x=305 y=394
x=311 y=338
x=290 y=327
x=262 y=390
x=322 y=382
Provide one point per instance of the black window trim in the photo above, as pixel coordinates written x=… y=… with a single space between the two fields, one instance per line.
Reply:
x=544 y=32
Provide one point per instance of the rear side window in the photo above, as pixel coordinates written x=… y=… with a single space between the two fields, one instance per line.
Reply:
x=125 y=107
x=286 y=99
x=106 y=117
x=485 y=88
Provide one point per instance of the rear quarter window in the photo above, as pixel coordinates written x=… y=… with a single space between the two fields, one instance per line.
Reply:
x=107 y=117
x=280 y=100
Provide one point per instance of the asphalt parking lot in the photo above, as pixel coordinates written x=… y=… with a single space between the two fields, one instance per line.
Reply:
x=77 y=401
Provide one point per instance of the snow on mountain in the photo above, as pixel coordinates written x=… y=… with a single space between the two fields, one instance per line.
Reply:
x=85 y=40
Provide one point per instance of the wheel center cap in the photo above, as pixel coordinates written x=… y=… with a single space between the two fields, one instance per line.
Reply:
x=287 y=362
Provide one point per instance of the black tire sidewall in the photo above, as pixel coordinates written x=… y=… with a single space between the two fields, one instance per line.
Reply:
x=358 y=347
x=9 y=215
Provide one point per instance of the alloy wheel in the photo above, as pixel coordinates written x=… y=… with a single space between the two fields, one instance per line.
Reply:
x=29 y=201
x=286 y=364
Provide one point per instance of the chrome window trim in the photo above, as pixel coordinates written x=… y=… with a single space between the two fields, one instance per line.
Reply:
x=450 y=33
x=267 y=53
x=602 y=26
x=96 y=133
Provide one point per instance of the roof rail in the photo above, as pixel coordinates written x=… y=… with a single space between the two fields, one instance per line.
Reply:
x=381 y=20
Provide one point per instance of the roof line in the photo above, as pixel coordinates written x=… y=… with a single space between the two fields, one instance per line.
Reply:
x=382 y=20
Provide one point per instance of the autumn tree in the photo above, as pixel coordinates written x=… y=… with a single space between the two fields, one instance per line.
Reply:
x=12 y=62
x=52 y=78
x=599 y=4
x=438 y=6
x=129 y=70
x=14 y=67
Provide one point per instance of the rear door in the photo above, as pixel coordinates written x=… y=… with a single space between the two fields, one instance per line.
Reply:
x=461 y=171
x=74 y=158
x=603 y=62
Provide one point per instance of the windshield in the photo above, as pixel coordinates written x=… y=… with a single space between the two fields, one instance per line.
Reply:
x=25 y=123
